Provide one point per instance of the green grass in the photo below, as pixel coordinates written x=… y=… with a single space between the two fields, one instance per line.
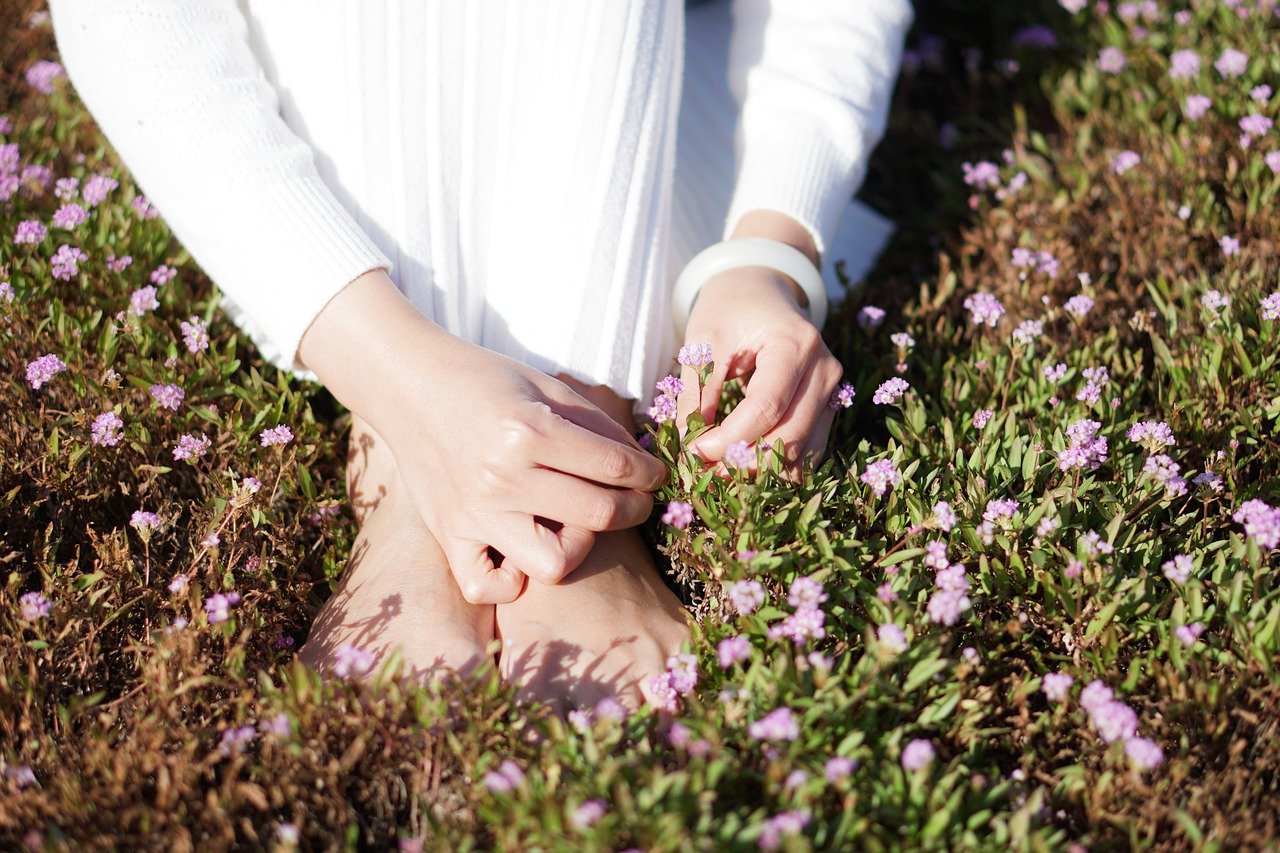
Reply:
x=119 y=720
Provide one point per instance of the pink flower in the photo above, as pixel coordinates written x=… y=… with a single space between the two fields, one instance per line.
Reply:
x=679 y=514
x=695 y=355
x=178 y=585
x=168 y=396
x=1188 y=634
x=778 y=725
x=870 y=317
x=1260 y=94
x=944 y=516
x=163 y=274
x=806 y=592
x=1153 y=435
x=107 y=430
x=588 y=814
x=41 y=75
x=195 y=334
x=1144 y=753
x=745 y=596
x=1078 y=306
x=65 y=263
x=1125 y=161
x=1261 y=521
x=351 y=661
x=34 y=606
x=733 y=650
x=1232 y=63
x=800 y=627
x=142 y=520
x=1272 y=159
x=1055 y=372
x=1183 y=64
x=984 y=309
x=983 y=175
x=1195 y=106
x=30 y=231
x=1111 y=60
x=1055 y=686
x=69 y=216
x=786 y=823
x=190 y=448
x=1178 y=569
x=663 y=409
x=118 y=264
x=890 y=391
x=143 y=300
x=881 y=476
x=507 y=778
x=97 y=188
x=67 y=188
x=946 y=606
x=44 y=369
x=142 y=206
x=981 y=419
x=838 y=767
x=1114 y=720
x=234 y=740
x=843 y=397
x=917 y=755
x=277 y=436
x=217 y=607
x=739 y=454
x=892 y=637
x=1256 y=125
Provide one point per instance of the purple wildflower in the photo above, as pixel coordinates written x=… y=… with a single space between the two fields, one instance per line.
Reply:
x=65 y=263
x=69 y=216
x=1195 y=106
x=1178 y=569
x=163 y=274
x=778 y=725
x=892 y=637
x=107 y=430
x=588 y=814
x=234 y=740
x=843 y=397
x=946 y=606
x=217 y=607
x=30 y=231
x=168 y=396
x=917 y=755
x=1183 y=64
x=97 y=188
x=740 y=454
x=696 y=355
x=1269 y=306
x=1261 y=522
x=1143 y=752
x=352 y=661
x=1055 y=686
x=189 y=447
x=1230 y=245
x=33 y=606
x=745 y=596
x=44 y=369
x=505 y=779
x=277 y=436
x=981 y=419
x=1124 y=161
x=41 y=75
x=881 y=476
x=1114 y=720
x=782 y=824
x=984 y=309
x=870 y=317
x=1188 y=634
x=1232 y=63
x=733 y=650
x=143 y=300
x=1112 y=60
x=981 y=175
x=679 y=514
x=806 y=592
x=890 y=391
x=944 y=516
x=195 y=334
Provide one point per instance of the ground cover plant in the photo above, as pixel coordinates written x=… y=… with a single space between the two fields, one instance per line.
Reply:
x=1030 y=601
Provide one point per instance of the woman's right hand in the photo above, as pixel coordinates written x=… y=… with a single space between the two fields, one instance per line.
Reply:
x=487 y=446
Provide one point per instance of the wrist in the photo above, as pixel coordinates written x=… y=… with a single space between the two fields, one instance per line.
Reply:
x=369 y=344
x=776 y=225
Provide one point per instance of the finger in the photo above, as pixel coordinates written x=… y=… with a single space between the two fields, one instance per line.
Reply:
x=705 y=401
x=481 y=580
x=536 y=550
x=577 y=409
x=573 y=449
x=807 y=421
x=768 y=395
x=576 y=502
x=816 y=447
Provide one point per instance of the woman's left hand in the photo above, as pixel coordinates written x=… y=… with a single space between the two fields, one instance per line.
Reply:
x=753 y=319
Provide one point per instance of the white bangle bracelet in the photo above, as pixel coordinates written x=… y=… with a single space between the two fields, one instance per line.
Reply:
x=747 y=252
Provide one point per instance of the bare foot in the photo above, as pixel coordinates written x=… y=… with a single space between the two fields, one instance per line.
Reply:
x=603 y=631
x=397 y=591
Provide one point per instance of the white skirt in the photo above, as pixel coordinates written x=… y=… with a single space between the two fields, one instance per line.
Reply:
x=537 y=192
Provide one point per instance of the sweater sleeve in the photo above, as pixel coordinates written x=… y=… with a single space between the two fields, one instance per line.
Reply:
x=814 y=79
x=176 y=89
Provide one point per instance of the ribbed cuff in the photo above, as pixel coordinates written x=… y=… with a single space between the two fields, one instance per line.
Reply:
x=798 y=171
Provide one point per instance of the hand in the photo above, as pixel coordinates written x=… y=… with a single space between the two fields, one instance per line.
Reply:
x=489 y=448
x=753 y=320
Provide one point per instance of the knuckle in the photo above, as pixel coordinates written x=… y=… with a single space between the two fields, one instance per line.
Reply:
x=493 y=476
x=615 y=464
x=553 y=567
x=473 y=590
x=768 y=410
x=518 y=436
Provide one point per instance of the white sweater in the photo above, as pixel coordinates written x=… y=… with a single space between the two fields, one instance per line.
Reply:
x=512 y=163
